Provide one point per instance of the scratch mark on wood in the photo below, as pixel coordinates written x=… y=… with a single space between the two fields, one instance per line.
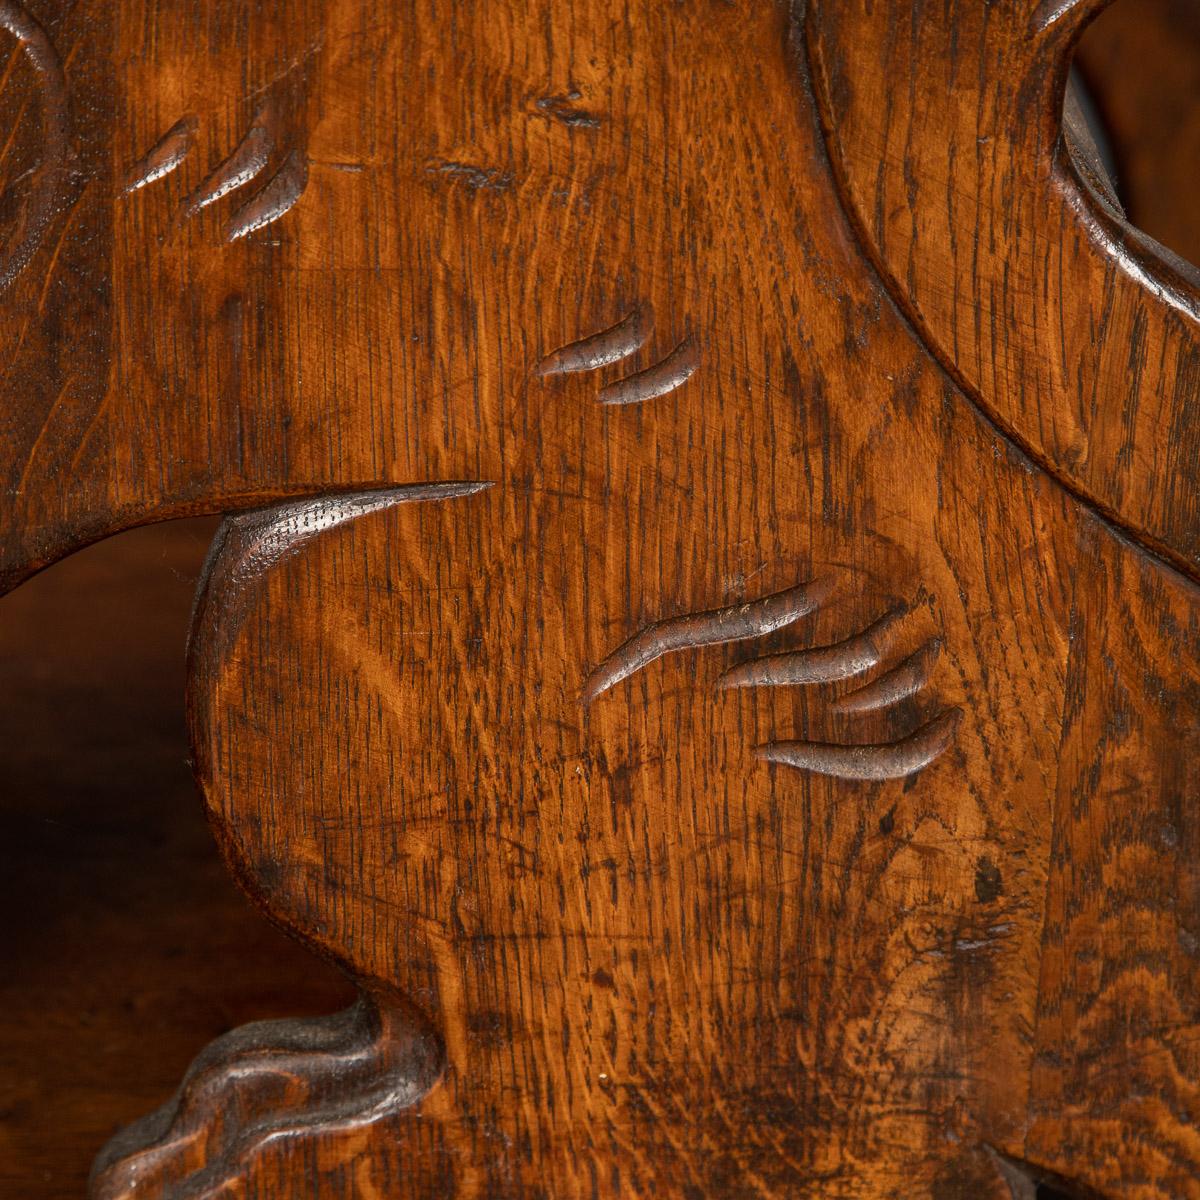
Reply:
x=736 y=623
x=658 y=380
x=164 y=156
x=887 y=760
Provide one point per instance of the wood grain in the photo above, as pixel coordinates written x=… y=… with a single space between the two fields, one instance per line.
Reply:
x=1075 y=333
x=711 y=643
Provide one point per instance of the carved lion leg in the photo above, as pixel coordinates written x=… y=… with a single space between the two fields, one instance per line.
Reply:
x=270 y=1083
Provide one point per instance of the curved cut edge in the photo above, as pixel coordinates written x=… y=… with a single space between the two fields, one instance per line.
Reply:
x=1029 y=1182
x=272 y=1084
x=1091 y=367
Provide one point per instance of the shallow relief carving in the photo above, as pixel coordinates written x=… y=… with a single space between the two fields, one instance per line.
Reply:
x=852 y=658
x=44 y=182
x=480 y=785
x=616 y=344
x=275 y=1083
x=265 y=160
x=268 y=1086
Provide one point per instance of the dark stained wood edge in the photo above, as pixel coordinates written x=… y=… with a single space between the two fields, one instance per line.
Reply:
x=45 y=192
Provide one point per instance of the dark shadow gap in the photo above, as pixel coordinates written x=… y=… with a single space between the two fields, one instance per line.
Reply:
x=1137 y=85
x=126 y=946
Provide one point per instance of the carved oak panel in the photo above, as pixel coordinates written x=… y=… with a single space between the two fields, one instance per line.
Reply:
x=706 y=629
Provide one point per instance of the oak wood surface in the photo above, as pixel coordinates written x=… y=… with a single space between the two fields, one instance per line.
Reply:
x=1072 y=330
x=711 y=643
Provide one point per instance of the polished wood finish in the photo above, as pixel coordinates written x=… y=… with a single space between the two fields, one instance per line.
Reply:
x=1073 y=332
x=708 y=640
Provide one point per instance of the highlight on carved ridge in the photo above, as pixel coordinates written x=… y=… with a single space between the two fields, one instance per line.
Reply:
x=164 y=156
x=1052 y=13
x=47 y=178
x=859 y=654
x=278 y=196
x=247 y=160
x=617 y=343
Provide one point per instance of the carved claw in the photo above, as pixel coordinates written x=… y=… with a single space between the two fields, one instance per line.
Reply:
x=248 y=162
x=617 y=343
x=825 y=664
x=738 y=622
x=850 y=658
x=277 y=196
x=611 y=345
x=900 y=683
x=263 y=1085
x=168 y=153
x=887 y=760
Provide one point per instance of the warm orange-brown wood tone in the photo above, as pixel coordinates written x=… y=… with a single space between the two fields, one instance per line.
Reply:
x=706 y=633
